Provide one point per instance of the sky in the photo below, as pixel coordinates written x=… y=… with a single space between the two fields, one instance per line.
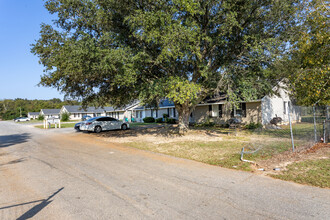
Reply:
x=20 y=71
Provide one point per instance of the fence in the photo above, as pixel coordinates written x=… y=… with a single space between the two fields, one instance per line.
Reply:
x=302 y=128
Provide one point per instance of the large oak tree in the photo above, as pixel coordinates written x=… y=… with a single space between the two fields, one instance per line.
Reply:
x=116 y=51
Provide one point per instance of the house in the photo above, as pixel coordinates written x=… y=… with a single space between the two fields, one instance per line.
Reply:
x=257 y=111
x=33 y=115
x=50 y=113
x=138 y=112
x=76 y=112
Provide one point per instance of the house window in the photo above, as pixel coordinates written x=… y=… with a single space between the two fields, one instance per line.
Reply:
x=118 y=115
x=284 y=107
x=168 y=112
x=220 y=110
x=240 y=111
x=140 y=114
x=210 y=110
x=174 y=113
x=157 y=113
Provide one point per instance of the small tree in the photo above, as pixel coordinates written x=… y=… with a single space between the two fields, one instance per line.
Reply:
x=41 y=117
x=65 y=116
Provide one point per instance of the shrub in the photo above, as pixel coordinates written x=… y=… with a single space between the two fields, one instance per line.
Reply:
x=252 y=126
x=148 y=120
x=159 y=120
x=41 y=117
x=171 y=121
x=165 y=116
x=65 y=116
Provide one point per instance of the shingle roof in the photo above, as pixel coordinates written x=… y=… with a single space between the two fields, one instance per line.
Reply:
x=79 y=109
x=51 y=111
x=33 y=113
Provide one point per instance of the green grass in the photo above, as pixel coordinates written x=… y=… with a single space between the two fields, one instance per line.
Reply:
x=224 y=153
x=310 y=172
x=63 y=125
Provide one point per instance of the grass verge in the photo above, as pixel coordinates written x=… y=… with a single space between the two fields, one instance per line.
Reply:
x=310 y=172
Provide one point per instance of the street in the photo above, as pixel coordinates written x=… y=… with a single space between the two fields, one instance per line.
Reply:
x=61 y=174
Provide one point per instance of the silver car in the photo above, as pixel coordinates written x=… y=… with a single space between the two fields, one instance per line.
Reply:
x=102 y=123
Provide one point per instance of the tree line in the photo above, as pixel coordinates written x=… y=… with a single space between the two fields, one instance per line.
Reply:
x=12 y=108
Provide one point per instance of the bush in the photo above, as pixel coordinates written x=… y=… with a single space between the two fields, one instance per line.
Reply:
x=65 y=116
x=159 y=120
x=252 y=126
x=41 y=117
x=171 y=121
x=148 y=120
x=165 y=116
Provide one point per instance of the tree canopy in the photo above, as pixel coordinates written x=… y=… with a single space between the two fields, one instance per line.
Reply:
x=310 y=67
x=112 y=52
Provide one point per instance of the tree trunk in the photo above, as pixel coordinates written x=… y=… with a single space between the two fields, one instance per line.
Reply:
x=184 y=113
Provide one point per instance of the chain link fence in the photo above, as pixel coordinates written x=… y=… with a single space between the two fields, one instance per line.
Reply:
x=302 y=128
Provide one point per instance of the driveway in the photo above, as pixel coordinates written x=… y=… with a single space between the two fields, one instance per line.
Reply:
x=60 y=174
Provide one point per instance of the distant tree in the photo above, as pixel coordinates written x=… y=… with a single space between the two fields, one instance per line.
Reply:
x=41 y=117
x=117 y=51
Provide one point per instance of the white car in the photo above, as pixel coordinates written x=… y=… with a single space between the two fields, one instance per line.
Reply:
x=21 y=119
x=102 y=123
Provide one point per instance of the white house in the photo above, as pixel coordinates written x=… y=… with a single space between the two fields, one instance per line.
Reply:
x=50 y=113
x=33 y=115
x=77 y=112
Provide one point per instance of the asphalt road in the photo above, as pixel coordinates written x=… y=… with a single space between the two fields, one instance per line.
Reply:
x=60 y=174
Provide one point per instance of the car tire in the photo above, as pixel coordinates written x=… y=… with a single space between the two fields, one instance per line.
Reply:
x=123 y=127
x=97 y=129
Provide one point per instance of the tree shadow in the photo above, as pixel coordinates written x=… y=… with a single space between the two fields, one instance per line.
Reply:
x=163 y=130
x=10 y=140
x=35 y=209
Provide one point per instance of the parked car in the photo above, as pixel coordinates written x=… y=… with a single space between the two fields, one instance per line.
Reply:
x=77 y=126
x=102 y=123
x=21 y=119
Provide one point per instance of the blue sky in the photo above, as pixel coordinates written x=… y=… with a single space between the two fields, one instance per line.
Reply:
x=19 y=69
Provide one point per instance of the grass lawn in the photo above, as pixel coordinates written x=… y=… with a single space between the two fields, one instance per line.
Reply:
x=63 y=125
x=311 y=172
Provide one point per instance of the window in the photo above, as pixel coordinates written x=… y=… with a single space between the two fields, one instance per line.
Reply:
x=210 y=110
x=239 y=111
x=284 y=107
x=220 y=110
x=74 y=115
x=152 y=113
x=174 y=113
x=157 y=113
x=168 y=112
x=118 y=115
x=140 y=114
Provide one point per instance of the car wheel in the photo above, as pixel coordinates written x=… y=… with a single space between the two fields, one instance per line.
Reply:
x=124 y=127
x=78 y=129
x=97 y=129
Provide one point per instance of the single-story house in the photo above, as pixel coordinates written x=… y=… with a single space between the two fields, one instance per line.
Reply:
x=76 y=112
x=50 y=113
x=257 y=111
x=33 y=115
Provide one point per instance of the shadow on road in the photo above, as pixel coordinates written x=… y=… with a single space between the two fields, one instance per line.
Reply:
x=35 y=209
x=10 y=140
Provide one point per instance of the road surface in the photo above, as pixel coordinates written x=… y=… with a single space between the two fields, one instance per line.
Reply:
x=60 y=174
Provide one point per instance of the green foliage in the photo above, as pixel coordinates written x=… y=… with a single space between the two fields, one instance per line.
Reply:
x=41 y=117
x=149 y=120
x=253 y=125
x=170 y=121
x=113 y=52
x=309 y=63
x=165 y=116
x=159 y=120
x=65 y=116
x=11 y=108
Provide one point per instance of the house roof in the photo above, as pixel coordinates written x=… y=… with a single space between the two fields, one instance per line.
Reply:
x=51 y=111
x=33 y=113
x=79 y=109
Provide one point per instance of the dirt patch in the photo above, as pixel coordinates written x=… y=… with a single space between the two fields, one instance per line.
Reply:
x=281 y=161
